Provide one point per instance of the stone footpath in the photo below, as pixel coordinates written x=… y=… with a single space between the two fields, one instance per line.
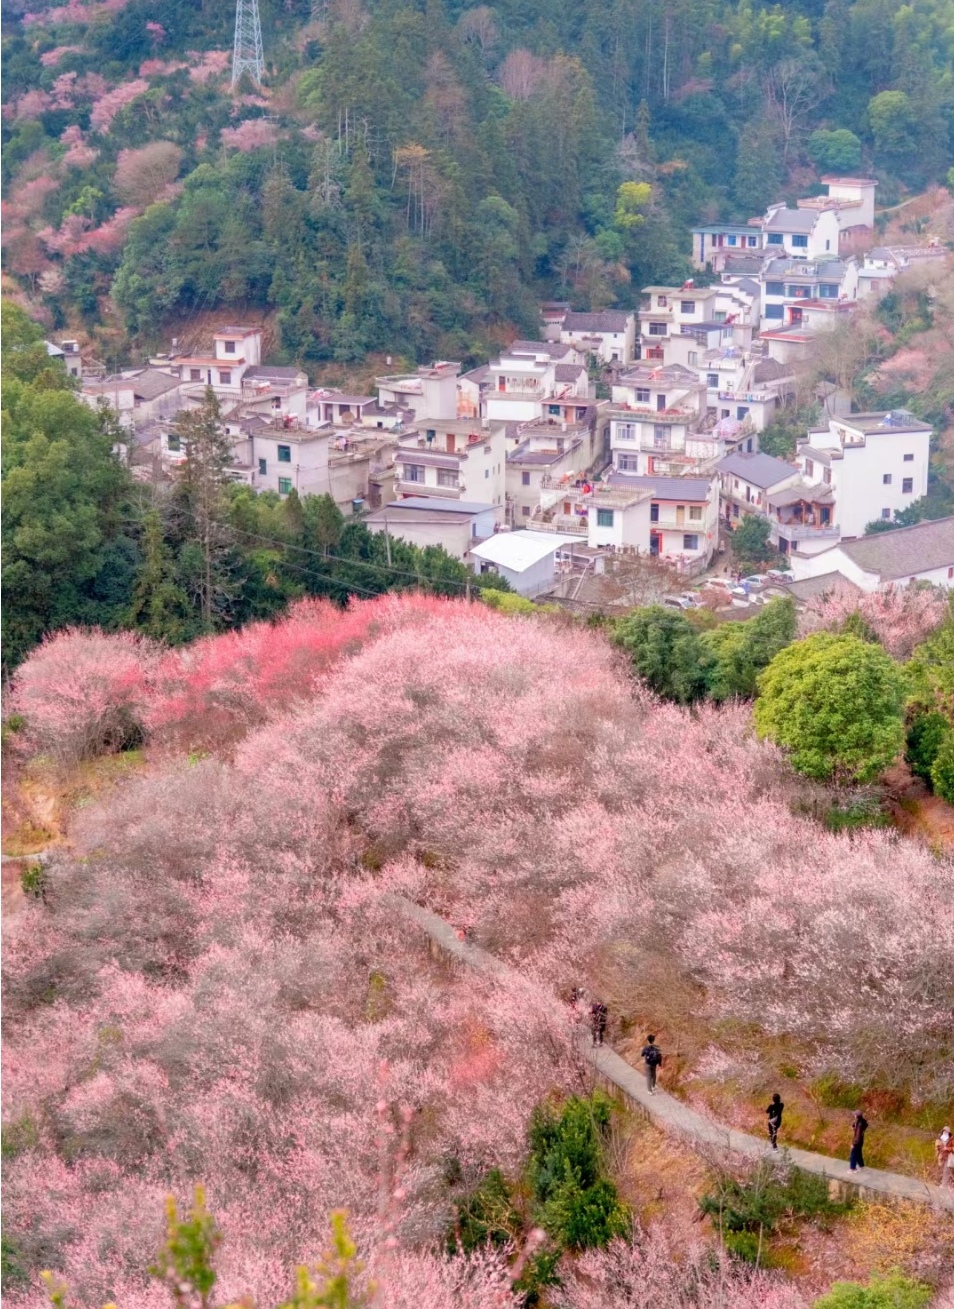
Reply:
x=672 y=1113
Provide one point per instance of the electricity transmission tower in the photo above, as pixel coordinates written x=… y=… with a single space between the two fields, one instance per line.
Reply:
x=247 y=55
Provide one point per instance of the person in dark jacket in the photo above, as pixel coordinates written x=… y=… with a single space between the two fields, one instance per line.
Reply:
x=859 y=1127
x=652 y=1058
x=598 y=1021
x=774 y=1112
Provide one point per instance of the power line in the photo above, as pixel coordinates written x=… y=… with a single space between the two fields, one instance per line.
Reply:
x=340 y=559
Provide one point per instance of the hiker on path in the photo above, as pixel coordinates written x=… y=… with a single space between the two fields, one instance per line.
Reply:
x=859 y=1127
x=774 y=1112
x=652 y=1058
x=598 y=1016
x=944 y=1150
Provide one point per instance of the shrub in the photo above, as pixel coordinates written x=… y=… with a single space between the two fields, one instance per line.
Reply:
x=84 y=693
x=942 y=770
x=752 y=1208
x=486 y=1216
x=665 y=650
x=926 y=736
x=576 y=1205
x=892 y=1292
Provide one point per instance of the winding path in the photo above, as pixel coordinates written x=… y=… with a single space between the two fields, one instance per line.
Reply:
x=672 y=1113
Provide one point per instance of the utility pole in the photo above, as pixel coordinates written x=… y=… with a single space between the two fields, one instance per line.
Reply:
x=387 y=541
x=247 y=56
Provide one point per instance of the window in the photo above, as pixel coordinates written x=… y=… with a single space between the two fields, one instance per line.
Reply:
x=660 y=436
x=284 y=485
x=886 y=513
x=909 y=459
x=654 y=513
x=740 y=412
x=719 y=316
x=774 y=311
x=735 y=511
x=625 y=432
x=525 y=510
x=230 y=347
x=412 y=472
x=828 y=290
x=195 y=374
x=628 y=463
x=775 y=238
x=554 y=409
x=690 y=541
x=486 y=472
x=907 y=485
x=642 y=395
x=662 y=301
x=525 y=479
x=774 y=288
x=446 y=477
x=712 y=379
x=799 y=293
x=687 y=307
x=732 y=240
x=827 y=245
x=753 y=242
x=950 y=571
x=581 y=414
x=173 y=442
x=799 y=242
x=657 y=329
x=692 y=358
x=430 y=433
x=826 y=477
x=886 y=479
x=604 y=518
x=276 y=402
x=695 y=513
x=809 y=468
x=263 y=467
x=225 y=376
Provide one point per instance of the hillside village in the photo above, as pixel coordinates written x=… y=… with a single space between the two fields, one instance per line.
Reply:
x=519 y=467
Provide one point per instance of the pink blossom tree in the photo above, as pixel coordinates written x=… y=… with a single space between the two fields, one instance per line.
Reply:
x=252 y=134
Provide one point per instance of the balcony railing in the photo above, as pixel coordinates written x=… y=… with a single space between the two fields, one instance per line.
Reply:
x=804 y=531
x=645 y=413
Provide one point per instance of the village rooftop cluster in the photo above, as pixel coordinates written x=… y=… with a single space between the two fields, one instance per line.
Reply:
x=517 y=467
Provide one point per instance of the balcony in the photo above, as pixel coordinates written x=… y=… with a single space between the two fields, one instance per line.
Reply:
x=804 y=531
x=403 y=487
x=646 y=414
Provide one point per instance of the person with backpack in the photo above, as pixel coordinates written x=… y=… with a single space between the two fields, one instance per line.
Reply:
x=598 y=1015
x=652 y=1058
x=859 y=1126
x=774 y=1112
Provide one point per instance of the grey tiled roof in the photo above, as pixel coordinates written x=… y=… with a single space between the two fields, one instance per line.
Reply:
x=610 y=320
x=757 y=469
x=904 y=551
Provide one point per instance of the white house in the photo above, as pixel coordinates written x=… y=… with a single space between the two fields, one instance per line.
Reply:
x=651 y=415
x=526 y=559
x=235 y=349
x=683 y=517
x=609 y=335
x=923 y=553
x=787 y=283
x=749 y=480
x=807 y=233
x=428 y=393
x=712 y=244
x=275 y=391
x=551 y=452
x=455 y=525
x=138 y=396
x=873 y=464
x=523 y=382
x=453 y=459
x=273 y=455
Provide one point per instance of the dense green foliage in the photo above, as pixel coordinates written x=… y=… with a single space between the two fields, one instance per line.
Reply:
x=942 y=770
x=835 y=702
x=895 y=1291
x=68 y=554
x=682 y=663
x=926 y=734
x=751 y=546
x=575 y=1202
x=428 y=168
x=748 y=1212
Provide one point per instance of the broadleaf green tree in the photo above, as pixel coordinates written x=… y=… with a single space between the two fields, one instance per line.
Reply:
x=836 y=704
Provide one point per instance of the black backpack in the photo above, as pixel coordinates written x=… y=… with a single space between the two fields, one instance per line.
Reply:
x=653 y=1056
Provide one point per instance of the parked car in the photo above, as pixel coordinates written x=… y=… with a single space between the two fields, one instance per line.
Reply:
x=781 y=575
x=680 y=602
x=724 y=584
x=755 y=581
